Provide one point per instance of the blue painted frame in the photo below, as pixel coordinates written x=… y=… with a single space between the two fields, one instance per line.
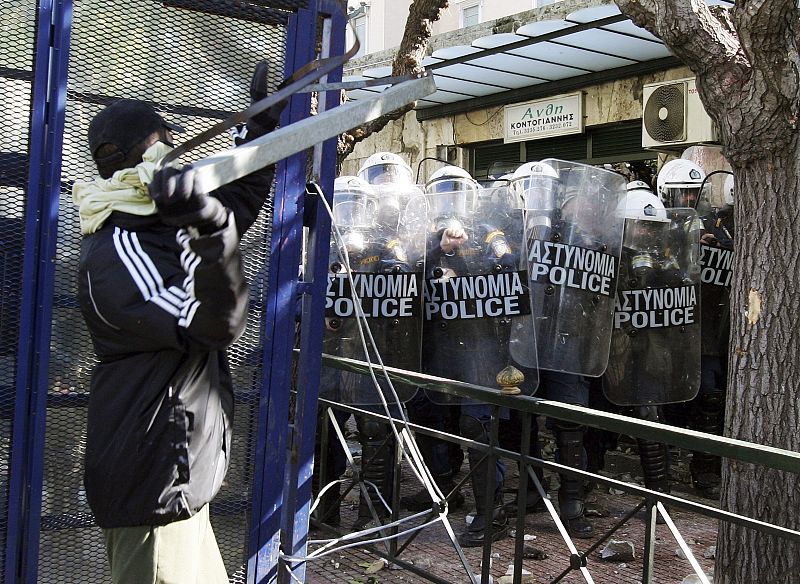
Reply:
x=280 y=503
x=297 y=496
x=48 y=105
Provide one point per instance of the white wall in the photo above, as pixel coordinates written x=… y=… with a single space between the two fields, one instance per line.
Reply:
x=386 y=19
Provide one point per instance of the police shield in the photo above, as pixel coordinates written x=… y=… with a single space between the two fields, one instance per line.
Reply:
x=655 y=347
x=572 y=244
x=381 y=285
x=473 y=289
x=716 y=265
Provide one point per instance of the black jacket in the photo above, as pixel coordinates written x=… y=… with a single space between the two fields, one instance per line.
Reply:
x=161 y=308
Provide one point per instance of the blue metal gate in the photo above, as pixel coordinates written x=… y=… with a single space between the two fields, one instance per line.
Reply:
x=61 y=61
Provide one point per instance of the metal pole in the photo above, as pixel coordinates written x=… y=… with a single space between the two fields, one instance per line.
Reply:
x=488 y=496
x=648 y=557
x=522 y=498
x=48 y=105
x=280 y=303
x=329 y=24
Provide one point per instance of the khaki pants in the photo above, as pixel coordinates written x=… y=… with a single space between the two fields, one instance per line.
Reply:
x=184 y=552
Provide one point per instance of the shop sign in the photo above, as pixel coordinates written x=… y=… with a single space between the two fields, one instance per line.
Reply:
x=544 y=118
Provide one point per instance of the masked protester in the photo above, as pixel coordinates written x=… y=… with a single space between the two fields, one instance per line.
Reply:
x=655 y=348
x=462 y=340
x=163 y=294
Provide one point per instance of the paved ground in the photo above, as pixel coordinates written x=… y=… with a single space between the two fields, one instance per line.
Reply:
x=432 y=551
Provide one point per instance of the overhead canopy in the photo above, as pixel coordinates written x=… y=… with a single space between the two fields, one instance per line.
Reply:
x=543 y=54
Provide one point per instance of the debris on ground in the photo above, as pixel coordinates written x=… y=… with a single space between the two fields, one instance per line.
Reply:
x=618 y=550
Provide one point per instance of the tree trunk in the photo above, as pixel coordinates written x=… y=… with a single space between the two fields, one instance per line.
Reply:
x=764 y=377
x=408 y=60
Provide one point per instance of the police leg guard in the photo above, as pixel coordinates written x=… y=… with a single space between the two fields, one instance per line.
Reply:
x=654 y=456
x=533 y=502
x=377 y=467
x=706 y=469
x=476 y=533
x=571 y=496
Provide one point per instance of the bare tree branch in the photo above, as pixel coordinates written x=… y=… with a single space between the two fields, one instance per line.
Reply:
x=408 y=60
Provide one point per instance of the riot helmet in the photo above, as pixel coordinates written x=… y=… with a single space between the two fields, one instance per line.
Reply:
x=354 y=203
x=454 y=192
x=449 y=179
x=646 y=224
x=727 y=190
x=679 y=183
x=501 y=195
x=538 y=185
x=386 y=168
x=638 y=185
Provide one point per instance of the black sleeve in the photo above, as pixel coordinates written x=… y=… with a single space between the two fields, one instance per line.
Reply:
x=135 y=298
x=246 y=196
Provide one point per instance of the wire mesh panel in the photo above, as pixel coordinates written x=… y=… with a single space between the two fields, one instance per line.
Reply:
x=194 y=67
x=16 y=76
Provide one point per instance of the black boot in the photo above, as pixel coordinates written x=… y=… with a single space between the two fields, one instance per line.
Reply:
x=571 y=495
x=421 y=500
x=706 y=469
x=476 y=532
x=491 y=523
x=534 y=502
x=436 y=455
x=377 y=467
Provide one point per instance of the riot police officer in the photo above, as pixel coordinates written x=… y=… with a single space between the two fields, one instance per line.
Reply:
x=569 y=322
x=707 y=411
x=679 y=183
x=654 y=356
x=465 y=245
x=367 y=221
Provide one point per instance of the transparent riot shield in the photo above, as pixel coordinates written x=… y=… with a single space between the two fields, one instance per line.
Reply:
x=716 y=273
x=381 y=282
x=572 y=243
x=473 y=290
x=655 y=347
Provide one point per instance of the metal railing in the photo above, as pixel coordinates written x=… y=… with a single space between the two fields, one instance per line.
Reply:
x=653 y=502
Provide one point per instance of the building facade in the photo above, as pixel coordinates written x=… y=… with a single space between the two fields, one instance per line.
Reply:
x=471 y=132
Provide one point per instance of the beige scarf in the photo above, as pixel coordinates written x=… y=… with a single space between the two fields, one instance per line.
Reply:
x=125 y=191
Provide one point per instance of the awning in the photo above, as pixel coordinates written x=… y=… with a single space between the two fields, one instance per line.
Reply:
x=545 y=55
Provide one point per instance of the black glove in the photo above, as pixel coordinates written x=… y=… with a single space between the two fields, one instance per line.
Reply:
x=267 y=120
x=181 y=205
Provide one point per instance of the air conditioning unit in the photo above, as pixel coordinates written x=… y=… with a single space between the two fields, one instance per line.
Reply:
x=673 y=116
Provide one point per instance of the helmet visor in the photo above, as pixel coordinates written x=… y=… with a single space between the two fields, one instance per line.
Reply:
x=452 y=203
x=641 y=235
x=354 y=211
x=687 y=196
x=539 y=193
x=450 y=185
x=381 y=174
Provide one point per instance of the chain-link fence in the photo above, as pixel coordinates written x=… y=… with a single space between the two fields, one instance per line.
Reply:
x=192 y=60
